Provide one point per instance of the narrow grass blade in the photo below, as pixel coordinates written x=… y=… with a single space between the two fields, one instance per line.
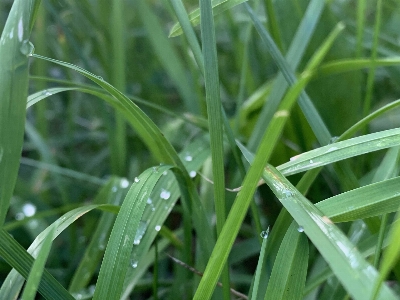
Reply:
x=365 y=202
x=390 y=256
x=158 y=207
x=14 y=281
x=14 y=51
x=214 y=107
x=257 y=275
x=119 y=247
x=112 y=193
x=168 y=57
x=347 y=65
x=341 y=150
x=355 y=274
x=293 y=57
x=16 y=256
x=36 y=272
x=218 y=6
x=289 y=273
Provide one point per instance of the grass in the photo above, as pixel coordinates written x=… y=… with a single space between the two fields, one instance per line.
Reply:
x=214 y=149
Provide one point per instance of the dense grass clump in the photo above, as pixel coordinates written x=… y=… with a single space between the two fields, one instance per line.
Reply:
x=216 y=149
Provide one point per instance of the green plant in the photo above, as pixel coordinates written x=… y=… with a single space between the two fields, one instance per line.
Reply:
x=158 y=190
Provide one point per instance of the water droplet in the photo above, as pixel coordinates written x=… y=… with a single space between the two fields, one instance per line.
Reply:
x=165 y=173
x=149 y=201
x=11 y=34
x=27 y=48
x=300 y=229
x=99 y=77
x=155 y=169
x=287 y=193
x=264 y=234
x=134 y=263
x=158 y=227
x=114 y=189
x=19 y=216
x=137 y=179
x=332 y=149
x=188 y=157
x=192 y=174
x=311 y=161
x=165 y=194
x=140 y=232
x=29 y=209
x=124 y=183
x=20 y=30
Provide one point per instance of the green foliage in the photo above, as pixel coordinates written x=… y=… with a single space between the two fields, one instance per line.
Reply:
x=133 y=163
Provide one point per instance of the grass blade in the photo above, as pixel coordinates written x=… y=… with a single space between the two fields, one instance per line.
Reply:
x=356 y=274
x=14 y=51
x=117 y=256
x=37 y=269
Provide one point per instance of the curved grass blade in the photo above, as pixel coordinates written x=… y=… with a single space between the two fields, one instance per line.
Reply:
x=14 y=281
x=113 y=193
x=365 y=202
x=341 y=150
x=37 y=269
x=158 y=208
x=159 y=146
x=14 y=51
x=16 y=256
x=347 y=65
x=218 y=6
x=36 y=97
x=355 y=274
x=289 y=273
x=119 y=247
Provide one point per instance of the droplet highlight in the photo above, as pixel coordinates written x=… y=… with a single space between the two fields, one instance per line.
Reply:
x=300 y=229
x=165 y=194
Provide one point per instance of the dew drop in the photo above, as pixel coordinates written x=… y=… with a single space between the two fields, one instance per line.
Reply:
x=287 y=193
x=165 y=194
x=264 y=233
x=158 y=227
x=134 y=263
x=192 y=174
x=114 y=189
x=188 y=158
x=140 y=232
x=11 y=34
x=311 y=161
x=19 y=216
x=137 y=179
x=149 y=201
x=27 y=48
x=29 y=209
x=300 y=229
x=124 y=183
x=165 y=173
x=99 y=77
x=155 y=169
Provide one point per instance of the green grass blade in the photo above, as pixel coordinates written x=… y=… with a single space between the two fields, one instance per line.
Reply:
x=365 y=202
x=289 y=273
x=257 y=275
x=187 y=28
x=355 y=274
x=341 y=150
x=218 y=6
x=37 y=269
x=168 y=57
x=119 y=247
x=16 y=256
x=14 y=51
x=14 y=281
x=113 y=193
x=293 y=57
x=158 y=209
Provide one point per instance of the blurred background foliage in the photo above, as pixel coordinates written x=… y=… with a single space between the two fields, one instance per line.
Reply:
x=126 y=43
